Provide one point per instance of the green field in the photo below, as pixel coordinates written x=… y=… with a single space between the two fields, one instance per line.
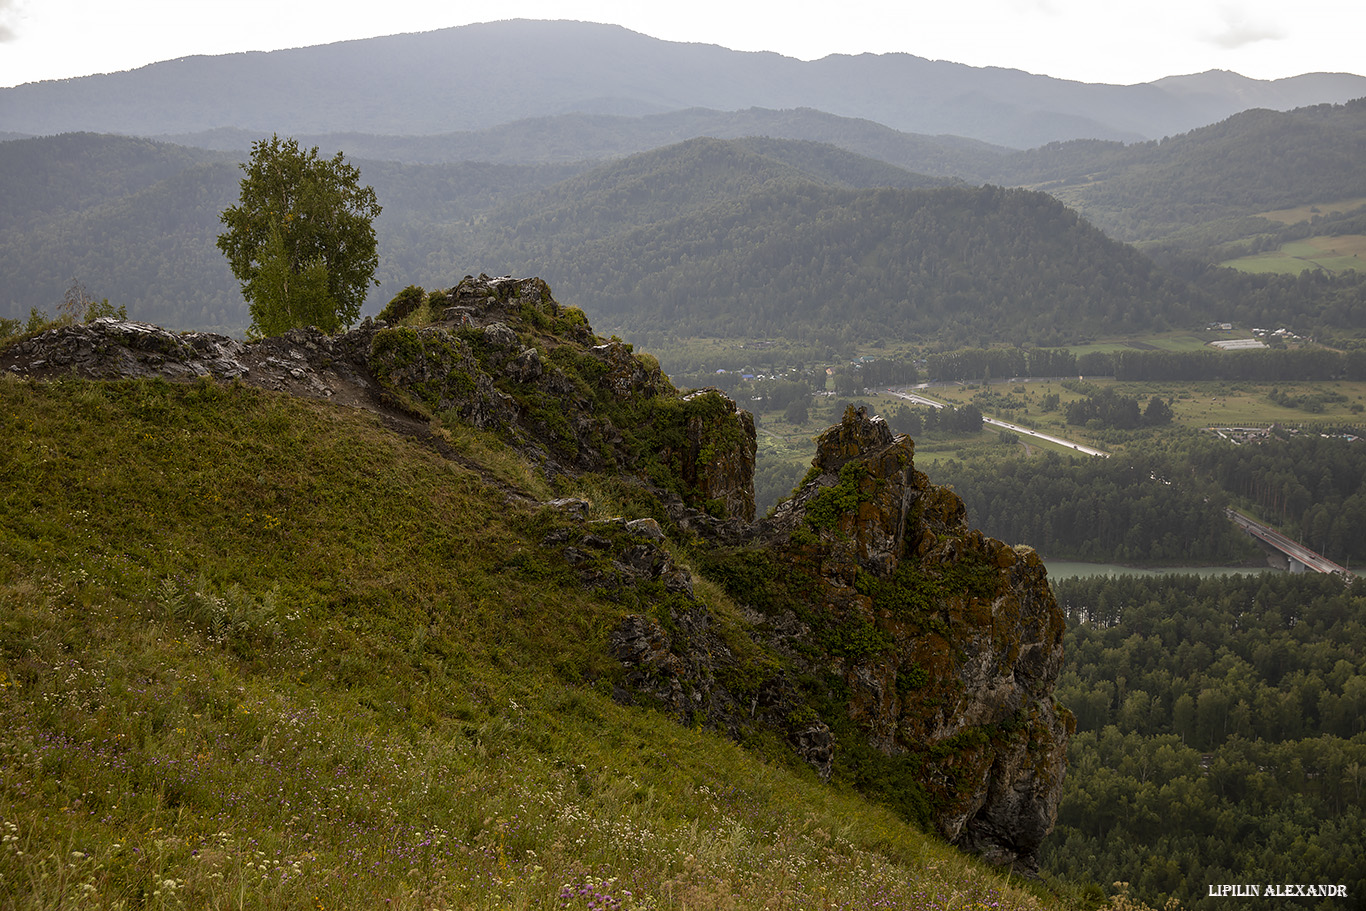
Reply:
x=1331 y=254
x=1164 y=341
x=1195 y=404
x=1304 y=213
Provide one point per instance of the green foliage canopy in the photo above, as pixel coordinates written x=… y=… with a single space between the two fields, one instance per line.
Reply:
x=1221 y=730
x=301 y=239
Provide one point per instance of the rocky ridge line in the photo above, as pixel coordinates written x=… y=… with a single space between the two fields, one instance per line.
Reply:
x=882 y=632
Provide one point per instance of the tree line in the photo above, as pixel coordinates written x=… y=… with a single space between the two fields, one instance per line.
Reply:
x=1110 y=409
x=1266 y=365
x=1139 y=510
x=1312 y=488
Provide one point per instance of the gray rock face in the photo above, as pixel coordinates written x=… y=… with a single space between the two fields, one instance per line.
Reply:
x=110 y=347
x=303 y=362
x=972 y=633
x=680 y=674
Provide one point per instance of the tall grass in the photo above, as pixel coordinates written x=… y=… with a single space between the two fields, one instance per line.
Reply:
x=261 y=653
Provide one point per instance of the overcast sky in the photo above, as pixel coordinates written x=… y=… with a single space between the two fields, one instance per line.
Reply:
x=1116 y=41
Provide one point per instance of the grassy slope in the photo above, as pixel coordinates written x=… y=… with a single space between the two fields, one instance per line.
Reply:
x=260 y=652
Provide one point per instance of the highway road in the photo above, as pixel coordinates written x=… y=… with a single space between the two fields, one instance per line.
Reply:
x=1004 y=425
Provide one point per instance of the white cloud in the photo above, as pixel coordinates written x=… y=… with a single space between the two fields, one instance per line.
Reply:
x=1238 y=28
x=9 y=13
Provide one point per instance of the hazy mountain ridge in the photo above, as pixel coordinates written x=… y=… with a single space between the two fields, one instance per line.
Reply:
x=479 y=76
x=582 y=137
x=1251 y=162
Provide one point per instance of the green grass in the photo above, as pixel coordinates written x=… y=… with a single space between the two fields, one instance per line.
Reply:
x=1164 y=341
x=1304 y=213
x=257 y=652
x=1332 y=254
x=1195 y=404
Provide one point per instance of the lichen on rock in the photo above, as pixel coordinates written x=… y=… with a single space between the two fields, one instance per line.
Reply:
x=940 y=646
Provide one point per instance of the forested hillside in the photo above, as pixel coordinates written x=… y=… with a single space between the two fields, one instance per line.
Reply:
x=1221 y=736
x=757 y=237
x=1190 y=192
x=754 y=237
x=1252 y=162
x=76 y=171
x=777 y=256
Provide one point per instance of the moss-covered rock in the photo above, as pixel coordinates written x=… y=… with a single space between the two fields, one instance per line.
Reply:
x=939 y=645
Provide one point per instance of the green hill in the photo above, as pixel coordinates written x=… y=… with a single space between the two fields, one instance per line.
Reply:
x=1206 y=185
x=1189 y=190
x=755 y=250
x=259 y=650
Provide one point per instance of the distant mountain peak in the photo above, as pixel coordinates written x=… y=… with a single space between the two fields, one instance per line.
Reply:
x=425 y=83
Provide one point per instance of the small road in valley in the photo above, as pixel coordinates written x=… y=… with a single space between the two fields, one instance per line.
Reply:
x=1004 y=425
x=1298 y=553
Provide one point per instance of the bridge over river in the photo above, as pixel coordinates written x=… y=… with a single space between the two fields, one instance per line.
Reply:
x=1301 y=558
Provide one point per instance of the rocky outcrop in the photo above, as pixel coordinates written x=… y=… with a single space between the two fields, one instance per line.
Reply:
x=304 y=362
x=928 y=652
x=948 y=643
x=719 y=456
x=504 y=356
x=885 y=641
x=675 y=655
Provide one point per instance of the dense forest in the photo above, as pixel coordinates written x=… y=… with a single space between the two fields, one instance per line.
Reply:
x=797 y=259
x=1221 y=735
x=1166 y=505
x=1252 y=162
x=1138 y=510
